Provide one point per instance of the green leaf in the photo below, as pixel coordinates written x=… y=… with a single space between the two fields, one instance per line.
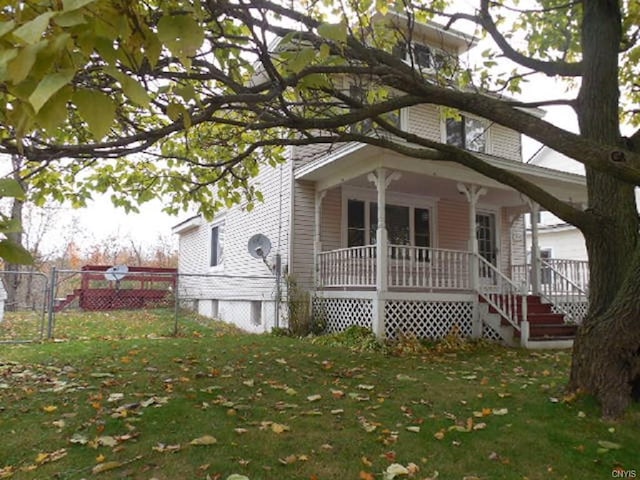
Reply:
x=6 y=27
x=181 y=34
x=32 y=31
x=13 y=253
x=48 y=86
x=301 y=60
x=333 y=31
x=54 y=113
x=68 y=5
x=20 y=67
x=136 y=92
x=97 y=109
x=10 y=188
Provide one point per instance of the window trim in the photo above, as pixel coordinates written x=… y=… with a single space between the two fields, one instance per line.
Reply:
x=369 y=196
x=219 y=265
x=487 y=132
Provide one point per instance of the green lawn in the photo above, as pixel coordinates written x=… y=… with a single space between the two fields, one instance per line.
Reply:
x=120 y=400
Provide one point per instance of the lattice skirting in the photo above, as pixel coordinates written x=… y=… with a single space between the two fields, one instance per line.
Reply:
x=342 y=313
x=577 y=310
x=432 y=320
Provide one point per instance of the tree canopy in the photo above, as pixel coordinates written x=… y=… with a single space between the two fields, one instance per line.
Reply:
x=203 y=92
x=152 y=97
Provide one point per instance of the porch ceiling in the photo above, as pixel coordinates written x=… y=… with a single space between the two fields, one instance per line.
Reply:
x=351 y=164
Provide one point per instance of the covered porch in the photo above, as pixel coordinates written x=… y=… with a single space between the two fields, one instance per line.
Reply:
x=409 y=246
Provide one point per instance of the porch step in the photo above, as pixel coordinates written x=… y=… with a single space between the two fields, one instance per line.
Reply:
x=547 y=329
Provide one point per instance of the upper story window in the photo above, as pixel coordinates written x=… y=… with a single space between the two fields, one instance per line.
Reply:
x=358 y=92
x=468 y=133
x=217 y=245
x=423 y=56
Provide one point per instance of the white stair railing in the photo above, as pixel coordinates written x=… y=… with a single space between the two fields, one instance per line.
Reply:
x=507 y=298
x=559 y=290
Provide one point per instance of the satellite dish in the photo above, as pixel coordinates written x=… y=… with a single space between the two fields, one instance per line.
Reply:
x=116 y=273
x=259 y=246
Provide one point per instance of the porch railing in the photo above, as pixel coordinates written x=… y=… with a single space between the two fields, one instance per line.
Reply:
x=348 y=267
x=563 y=283
x=506 y=297
x=428 y=268
x=407 y=267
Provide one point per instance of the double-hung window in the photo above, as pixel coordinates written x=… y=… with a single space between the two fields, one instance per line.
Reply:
x=468 y=133
x=216 y=256
x=406 y=225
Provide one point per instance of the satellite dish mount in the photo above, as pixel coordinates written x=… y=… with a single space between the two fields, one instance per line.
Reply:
x=259 y=247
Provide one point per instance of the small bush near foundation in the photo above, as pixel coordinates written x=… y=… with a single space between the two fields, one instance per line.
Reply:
x=355 y=338
x=300 y=317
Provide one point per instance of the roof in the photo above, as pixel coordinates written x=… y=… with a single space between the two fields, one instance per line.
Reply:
x=188 y=224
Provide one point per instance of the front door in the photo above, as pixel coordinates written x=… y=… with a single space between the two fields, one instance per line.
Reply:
x=487 y=245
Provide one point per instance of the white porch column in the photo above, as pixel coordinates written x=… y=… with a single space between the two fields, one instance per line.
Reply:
x=317 y=243
x=381 y=180
x=473 y=194
x=535 y=249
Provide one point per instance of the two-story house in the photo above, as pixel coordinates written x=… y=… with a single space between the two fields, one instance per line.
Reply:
x=385 y=241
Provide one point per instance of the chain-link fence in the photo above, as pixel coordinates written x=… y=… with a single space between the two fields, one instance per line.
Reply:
x=23 y=305
x=101 y=302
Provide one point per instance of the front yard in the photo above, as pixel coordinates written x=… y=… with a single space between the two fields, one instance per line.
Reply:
x=114 y=402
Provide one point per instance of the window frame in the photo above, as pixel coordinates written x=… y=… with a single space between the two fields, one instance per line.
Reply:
x=486 y=132
x=219 y=247
x=366 y=126
x=369 y=196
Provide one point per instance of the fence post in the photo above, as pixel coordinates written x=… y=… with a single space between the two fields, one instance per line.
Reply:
x=51 y=302
x=176 y=307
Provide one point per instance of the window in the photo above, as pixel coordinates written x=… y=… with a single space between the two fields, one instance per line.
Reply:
x=466 y=132
x=423 y=56
x=217 y=243
x=406 y=225
x=365 y=126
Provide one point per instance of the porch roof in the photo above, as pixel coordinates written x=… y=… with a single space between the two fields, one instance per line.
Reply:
x=356 y=160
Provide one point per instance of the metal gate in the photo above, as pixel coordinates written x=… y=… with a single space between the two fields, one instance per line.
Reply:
x=23 y=300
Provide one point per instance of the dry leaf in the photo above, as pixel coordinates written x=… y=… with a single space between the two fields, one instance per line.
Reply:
x=279 y=428
x=49 y=408
x=314 y=398
x=204 y=440
x=104 y=467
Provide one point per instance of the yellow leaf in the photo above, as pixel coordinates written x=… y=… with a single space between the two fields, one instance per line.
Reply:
x=104 y=467
x=50 y=408
x=100 y=458
x=41 y=457
x=204 y=440
x=279 y=428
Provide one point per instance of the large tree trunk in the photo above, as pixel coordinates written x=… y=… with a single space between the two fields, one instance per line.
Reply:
x=606 y=358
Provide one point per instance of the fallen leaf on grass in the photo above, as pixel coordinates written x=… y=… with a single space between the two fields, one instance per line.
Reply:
x=366 y=475
x=279 y=428
x=204 y=440
x=105 y=467
x=314 y=398
x=107 y=441
x=46 y=457
x=49 y=408
x=394 y=470
x=414 y=429
x=162 y=448
x=235 y=476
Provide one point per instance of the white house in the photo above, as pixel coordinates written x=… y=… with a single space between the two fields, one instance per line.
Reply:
x=453 y=241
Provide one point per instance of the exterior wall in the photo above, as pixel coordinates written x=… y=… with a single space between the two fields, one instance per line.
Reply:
x=331 y=220
x=565 y=242
x=453 y=225
x=424 y=120
x=303 y=227
x=505 y=143
x=241 y=283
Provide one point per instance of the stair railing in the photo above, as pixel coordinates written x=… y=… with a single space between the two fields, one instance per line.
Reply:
x=506 y=297
x=560 y=291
